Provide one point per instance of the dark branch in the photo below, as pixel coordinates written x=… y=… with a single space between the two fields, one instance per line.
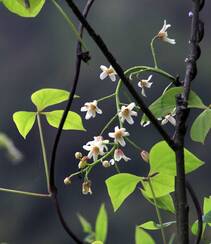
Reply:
x=198 y=211
x=79 y=57
x=102 y=46
x=182 y=113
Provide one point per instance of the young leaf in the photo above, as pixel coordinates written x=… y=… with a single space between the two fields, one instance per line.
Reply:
x=165 y=202
x=120 y=186
x=87 y=228
x=20 y=8
x=163 y=160
x=142 y=237
x=162 y=185
x=151 y=225
x=24 y=121
x=101 y=225
x=201 y=126
x=46 y=97
x=72 y=122
x=167 y=102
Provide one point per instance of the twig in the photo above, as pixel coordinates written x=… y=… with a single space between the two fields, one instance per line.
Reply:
x=102 y=46
x=79 y=57
x=181 y=118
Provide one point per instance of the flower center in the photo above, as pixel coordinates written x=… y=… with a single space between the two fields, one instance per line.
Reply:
x=95 y=150
x=110 y=71
x=162 y=35
x=92 y=107
x=126 y=112
x=118 y=134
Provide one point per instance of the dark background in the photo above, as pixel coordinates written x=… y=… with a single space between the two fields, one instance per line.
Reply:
x=39 y=53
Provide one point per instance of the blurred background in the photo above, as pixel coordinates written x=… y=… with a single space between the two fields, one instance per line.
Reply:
x=39 y=53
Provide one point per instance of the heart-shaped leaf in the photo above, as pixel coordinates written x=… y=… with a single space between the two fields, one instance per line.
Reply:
x=120 y=186
x=24 y=8
x=24 y=121
x=72 y=122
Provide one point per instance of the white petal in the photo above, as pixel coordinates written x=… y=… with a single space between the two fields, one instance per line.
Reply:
x=148 y=84
x=112 y=162
x=164 y=121
x=126 y=133
x=112 y=77
x=121 y=141
x=134 y=113
x=131 y=106
x=126 y=158
x=99 y=111
x=130 y=120
x=149 y=78
x=143 y=92
x=145 y=123
x=139 y=84
x=84 y=109
x=103 y=67
x=90 y=154
x=111 y=135
x=171 y=41
x=88 y=115
x=103 y=75
x=172 y=120
x=116 y=128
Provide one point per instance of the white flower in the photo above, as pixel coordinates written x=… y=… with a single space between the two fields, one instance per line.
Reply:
x=96 y=147
x=145 y=84
x=119 y=154
x=126 y=113
x=169 y=118
x=163 y=35
x=91 y=109
x=108 y=72
x=119 y=135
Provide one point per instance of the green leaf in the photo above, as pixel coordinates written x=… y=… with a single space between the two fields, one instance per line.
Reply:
x=142 y=237
x=163 y=160
x=151 y=225
x=101 y=225
x=165 y=202
x=207 y=206
x=24 y=121
x=194 y=228
x=167 y=102
x=87 y=228
x=162 y=185
x=207 y=218
x=46 y=97
x=201 y=126
x=120 y=186
x=20 y=8
x=97 y=242
x=72 y=122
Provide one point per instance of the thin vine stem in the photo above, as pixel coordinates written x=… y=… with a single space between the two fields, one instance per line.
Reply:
x=27 y=193
x=133 y=144
x=70 y=23
x=153 y=52
x=108 y=124
x=45 y=160
x=106 y=97
x=157 y=211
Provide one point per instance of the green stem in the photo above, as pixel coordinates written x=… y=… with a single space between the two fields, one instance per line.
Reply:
x=118 y=101
x=108 y=124
x=43 y=152
x=157 y=211
x=106 y=97
x=133 y=144
x=26 y=193
x=70 y=23
x=153 y=52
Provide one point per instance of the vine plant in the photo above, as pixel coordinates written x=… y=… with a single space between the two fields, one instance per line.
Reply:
x=168 y=159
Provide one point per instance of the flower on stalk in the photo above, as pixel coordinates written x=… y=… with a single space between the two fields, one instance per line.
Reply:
x=118 y=135
x=127 y=112
x=145 y=84
x=91 y=109
x=96 y=147
x=108 y=72
x=163 y=35
x=119 y=154
x=86 y=187
x=169 y=118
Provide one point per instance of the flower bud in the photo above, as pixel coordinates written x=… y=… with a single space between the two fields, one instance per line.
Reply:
x=106 y=164
x=67 y=181
x=86 y=187
x=145 y=155
x=78 y=155
x=82 y=164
